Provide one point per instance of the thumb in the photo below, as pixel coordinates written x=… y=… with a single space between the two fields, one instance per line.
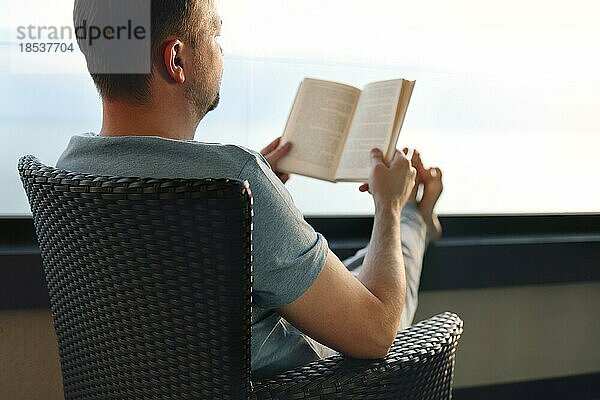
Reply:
x=376 y=157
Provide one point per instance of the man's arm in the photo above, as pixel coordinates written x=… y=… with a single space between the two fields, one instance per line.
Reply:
x=360 y=317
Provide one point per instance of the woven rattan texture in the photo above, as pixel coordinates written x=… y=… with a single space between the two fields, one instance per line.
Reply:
x=420 y=365
x=149 y=282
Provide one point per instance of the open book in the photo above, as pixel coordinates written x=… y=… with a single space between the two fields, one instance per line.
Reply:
x=333 y=127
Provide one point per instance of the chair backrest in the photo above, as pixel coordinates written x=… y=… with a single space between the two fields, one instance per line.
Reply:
x=149 y=282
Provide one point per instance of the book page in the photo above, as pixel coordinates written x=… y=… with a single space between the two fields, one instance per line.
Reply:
x=405 y=95
x=371 y=127
x=317 y=127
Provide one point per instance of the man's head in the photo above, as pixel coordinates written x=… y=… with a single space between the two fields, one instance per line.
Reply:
x=186 y=59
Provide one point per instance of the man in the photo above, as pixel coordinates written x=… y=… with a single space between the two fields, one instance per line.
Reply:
x=305 y=301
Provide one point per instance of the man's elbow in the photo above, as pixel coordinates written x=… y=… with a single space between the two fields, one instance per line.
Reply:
x=371 y=348
x=376 y=343
x=382 y=343
x=382 y=332
x=376 y=352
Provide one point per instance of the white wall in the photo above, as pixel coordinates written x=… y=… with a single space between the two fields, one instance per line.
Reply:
x=522 y=333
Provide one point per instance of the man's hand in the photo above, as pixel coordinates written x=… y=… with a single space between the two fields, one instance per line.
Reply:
x=273 y=152
x=390 y=185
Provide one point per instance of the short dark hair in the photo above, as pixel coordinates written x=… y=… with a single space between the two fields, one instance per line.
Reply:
x=167 y=17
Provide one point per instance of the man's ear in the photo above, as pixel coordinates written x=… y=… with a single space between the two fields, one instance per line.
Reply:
x=173 y=59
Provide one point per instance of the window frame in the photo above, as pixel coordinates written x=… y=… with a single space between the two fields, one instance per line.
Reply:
x=477 y=251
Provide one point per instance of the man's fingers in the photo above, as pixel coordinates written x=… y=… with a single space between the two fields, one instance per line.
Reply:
x=376 y=157
x=400 y=157
x=284 y=178
x=279 y=152
x=272 y=146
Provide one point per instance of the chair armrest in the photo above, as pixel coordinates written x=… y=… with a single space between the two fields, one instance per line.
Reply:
x=420 y=365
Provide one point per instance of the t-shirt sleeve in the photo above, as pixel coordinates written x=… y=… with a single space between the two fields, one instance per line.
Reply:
x=288 y=255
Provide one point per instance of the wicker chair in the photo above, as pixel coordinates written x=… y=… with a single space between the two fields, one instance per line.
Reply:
x=150 y=284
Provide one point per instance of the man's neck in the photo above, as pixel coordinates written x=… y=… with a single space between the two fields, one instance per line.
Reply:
x=120 y=119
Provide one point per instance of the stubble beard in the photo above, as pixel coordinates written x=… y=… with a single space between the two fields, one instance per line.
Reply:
x=215 y=103
x=201 y=101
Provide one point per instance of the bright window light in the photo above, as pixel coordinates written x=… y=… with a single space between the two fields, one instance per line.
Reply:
x=507 y=99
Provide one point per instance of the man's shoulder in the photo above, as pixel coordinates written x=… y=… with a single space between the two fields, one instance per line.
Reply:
x=225 y=150
x=142 y=142
x=157 y=156
x=247 y=160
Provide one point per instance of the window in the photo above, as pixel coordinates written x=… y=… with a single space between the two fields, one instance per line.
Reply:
x=507 y=98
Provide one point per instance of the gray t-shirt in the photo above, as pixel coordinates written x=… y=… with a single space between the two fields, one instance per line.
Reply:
x=288 y=254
